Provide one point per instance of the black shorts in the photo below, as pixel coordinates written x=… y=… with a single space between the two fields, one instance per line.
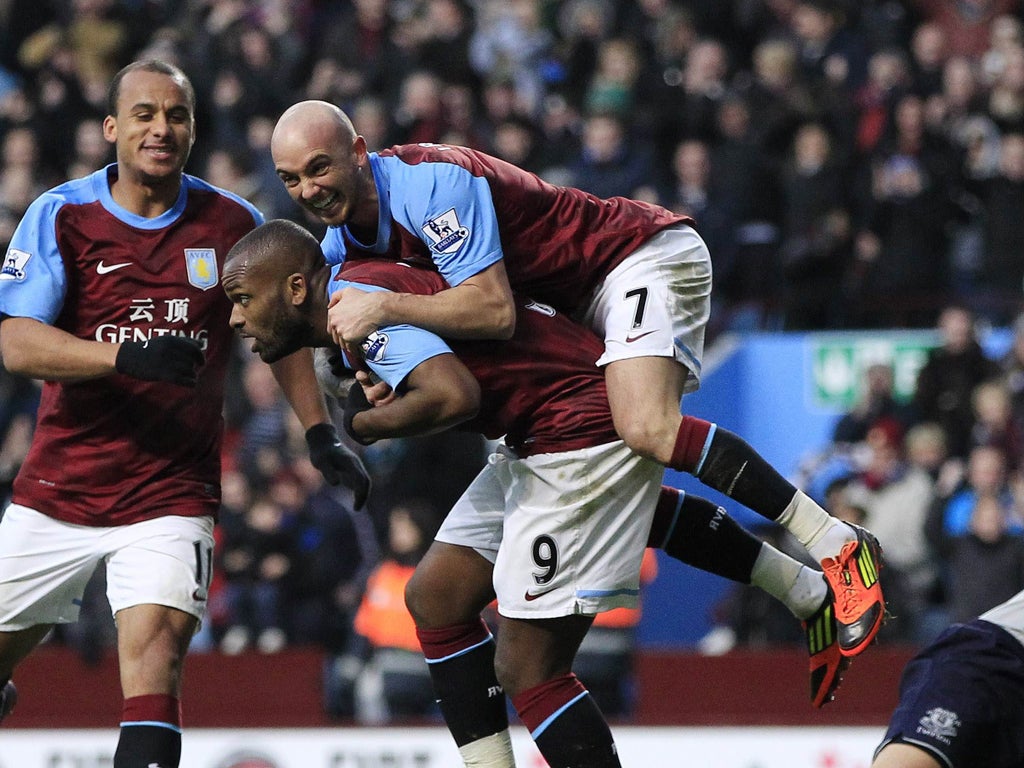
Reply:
x=962 y=699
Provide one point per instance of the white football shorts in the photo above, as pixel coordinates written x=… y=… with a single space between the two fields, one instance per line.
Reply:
x=46 y=563
x=566 y=531
x=657 y=302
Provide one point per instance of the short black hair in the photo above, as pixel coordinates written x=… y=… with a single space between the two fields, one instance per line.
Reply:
x=150 y=65
x=281 y=242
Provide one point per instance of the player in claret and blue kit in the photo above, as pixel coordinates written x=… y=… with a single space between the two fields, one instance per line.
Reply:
x=110 y=293
x=554 y=525
x=638 y=275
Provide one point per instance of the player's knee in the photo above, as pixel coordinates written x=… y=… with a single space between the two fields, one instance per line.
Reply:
x=432 y=606
x=650 y=435
x=420 y=604
x=514 y=678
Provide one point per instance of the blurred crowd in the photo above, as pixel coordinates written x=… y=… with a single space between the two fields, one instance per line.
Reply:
x=938 y=476
x=850 y=164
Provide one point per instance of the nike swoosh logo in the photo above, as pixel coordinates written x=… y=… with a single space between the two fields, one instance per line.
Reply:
x=531 y=596
x=631 y=339
x=102 y=269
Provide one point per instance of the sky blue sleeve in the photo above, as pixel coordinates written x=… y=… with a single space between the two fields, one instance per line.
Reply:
x=333 y=245
x=392 y=352
x=32 y=278
x=451 y=210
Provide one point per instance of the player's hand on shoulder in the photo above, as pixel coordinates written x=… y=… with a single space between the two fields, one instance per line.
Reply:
x=352 y=315
x=175 y=359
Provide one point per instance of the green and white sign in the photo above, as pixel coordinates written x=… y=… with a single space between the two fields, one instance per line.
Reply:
x=839 y=363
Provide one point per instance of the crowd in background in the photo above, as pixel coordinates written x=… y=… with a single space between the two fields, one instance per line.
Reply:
x=938 y=477
x=850 y=164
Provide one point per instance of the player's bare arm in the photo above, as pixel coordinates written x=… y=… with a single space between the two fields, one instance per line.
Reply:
x=904 y=756
x=375 y=392
x=438 y=394
x=481 y=307
x=297 y=378
x=39 y=351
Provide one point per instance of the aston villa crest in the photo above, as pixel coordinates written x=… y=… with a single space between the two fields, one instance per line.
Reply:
x=201 y=265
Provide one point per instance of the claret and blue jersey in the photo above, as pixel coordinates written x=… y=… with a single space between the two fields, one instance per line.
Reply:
x=82 y=263
x=540 y=389
x=463 y=211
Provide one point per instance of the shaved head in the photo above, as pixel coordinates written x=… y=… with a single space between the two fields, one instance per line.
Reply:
x=324 y=165
x=312 y=121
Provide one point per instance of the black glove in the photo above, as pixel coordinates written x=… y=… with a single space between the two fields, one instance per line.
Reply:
x=165 y=358
x=356 y=402
x=337 y=463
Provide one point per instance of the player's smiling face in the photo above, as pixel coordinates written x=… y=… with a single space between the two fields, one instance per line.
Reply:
x=154 y=127
x=330 y=179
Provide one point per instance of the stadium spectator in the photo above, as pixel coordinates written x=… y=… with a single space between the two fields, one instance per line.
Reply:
x=512 y=43
x=986 y=475
x=985 y=564
x=995 y=422
x=395 y=682
x=689 y=106
x=997 y=292
x=888 y=80
x=336 y=547
x=900 y=275
x=942 y=392
x=256 y=559
x=1006 y=93
x=816 y=232
x=1012 y=364
x=896 y=497
x=929 y=51
x=832 y=53
x=876 y=399
x=611 y=162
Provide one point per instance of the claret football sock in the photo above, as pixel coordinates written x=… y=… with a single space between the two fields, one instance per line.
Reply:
x=566 y=724
x=461 y=663
x=724 y=461
x=150 y=733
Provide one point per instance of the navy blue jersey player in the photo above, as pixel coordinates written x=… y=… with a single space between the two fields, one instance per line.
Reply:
x=962 y=698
